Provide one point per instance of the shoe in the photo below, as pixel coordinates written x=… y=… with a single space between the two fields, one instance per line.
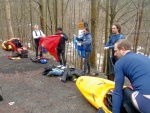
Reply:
x=63 y=67
x=59 y=66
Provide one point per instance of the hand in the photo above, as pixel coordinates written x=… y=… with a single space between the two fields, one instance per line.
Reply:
x=74 y=35
x=62 y=35
x=79 y=43
x=106 y=48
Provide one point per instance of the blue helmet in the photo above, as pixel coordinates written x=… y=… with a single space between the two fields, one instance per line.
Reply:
x=43 y=61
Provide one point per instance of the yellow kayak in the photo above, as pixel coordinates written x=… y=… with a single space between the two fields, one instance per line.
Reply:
x=95 y=90
x=6 y=47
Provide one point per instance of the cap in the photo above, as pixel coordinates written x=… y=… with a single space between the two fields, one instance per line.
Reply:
x=59 y=28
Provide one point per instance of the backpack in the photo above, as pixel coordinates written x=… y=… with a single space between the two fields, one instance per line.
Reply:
x=24 y=53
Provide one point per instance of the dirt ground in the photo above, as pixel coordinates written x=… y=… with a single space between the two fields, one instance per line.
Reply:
x=26 y=90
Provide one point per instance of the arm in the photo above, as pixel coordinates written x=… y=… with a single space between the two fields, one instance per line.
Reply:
x=119 y=82
x=119 y=38
x=107 y=44
x=79 y=39
x=43 y=35
x=88 y=41
x=65 y=36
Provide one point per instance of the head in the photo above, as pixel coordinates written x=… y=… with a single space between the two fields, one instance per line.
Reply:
x=121 y=47
x=36 y=27
x=59 y=30
x=86 y=30
x=116 y=29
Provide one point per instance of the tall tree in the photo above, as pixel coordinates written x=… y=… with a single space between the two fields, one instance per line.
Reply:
x=113 y=4
x=43 y=13
x=8 y=20
x=106 y=33
x=94 y=23
x=55 y=14
x=138 y=23
x=31 y=21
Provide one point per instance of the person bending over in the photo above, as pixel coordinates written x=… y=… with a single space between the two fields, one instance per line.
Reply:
x=136 y=67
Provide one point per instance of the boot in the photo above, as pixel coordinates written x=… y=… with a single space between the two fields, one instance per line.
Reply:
x=88 y=70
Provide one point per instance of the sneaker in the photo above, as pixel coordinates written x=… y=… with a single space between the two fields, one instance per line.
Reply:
x=74 y=80
x=59 y=65
x=63 y=67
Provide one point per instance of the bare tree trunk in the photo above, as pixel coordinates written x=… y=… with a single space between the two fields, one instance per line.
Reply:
x=146 y=45
x=94 y=23
x=106 y=34
x=8 y=20
x=62 y=12
x=138 y=24
x=55 y=14
x=113 y=4
x=31 y=21
x=50 y=17
x=42 y=17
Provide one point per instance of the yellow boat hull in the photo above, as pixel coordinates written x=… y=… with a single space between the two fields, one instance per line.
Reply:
x=9 y=47
x=94 y=90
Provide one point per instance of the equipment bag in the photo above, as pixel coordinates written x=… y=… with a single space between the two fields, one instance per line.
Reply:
x=24 y=53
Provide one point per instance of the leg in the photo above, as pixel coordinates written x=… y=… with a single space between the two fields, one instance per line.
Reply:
x=63 y=57
x=41 y=53
x=36 y=46
x=127 y=102
x=58 y=54
x=86 y=62
x=140 y=102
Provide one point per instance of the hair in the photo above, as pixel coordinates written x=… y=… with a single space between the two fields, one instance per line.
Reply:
x=87 y=29
x=124 y=43
x=35 y=25
x=118 y=27
x=59 y=28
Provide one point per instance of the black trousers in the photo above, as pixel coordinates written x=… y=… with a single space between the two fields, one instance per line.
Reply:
x=87 y=62
x=127 y=101
x=37 y=47
x=61 y=56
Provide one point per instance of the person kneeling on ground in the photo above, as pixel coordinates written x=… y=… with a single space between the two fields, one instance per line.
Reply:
x=136 y=67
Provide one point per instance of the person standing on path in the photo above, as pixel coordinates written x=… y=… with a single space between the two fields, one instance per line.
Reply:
x=37 y=34
x=111 y=59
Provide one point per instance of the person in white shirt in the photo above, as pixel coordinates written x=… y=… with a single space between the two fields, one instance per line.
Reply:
x=37 y=34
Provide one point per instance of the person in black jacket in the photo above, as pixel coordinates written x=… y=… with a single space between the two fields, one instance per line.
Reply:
x=61 y=47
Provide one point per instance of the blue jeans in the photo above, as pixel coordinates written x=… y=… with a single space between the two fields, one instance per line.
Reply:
x=87 y=62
